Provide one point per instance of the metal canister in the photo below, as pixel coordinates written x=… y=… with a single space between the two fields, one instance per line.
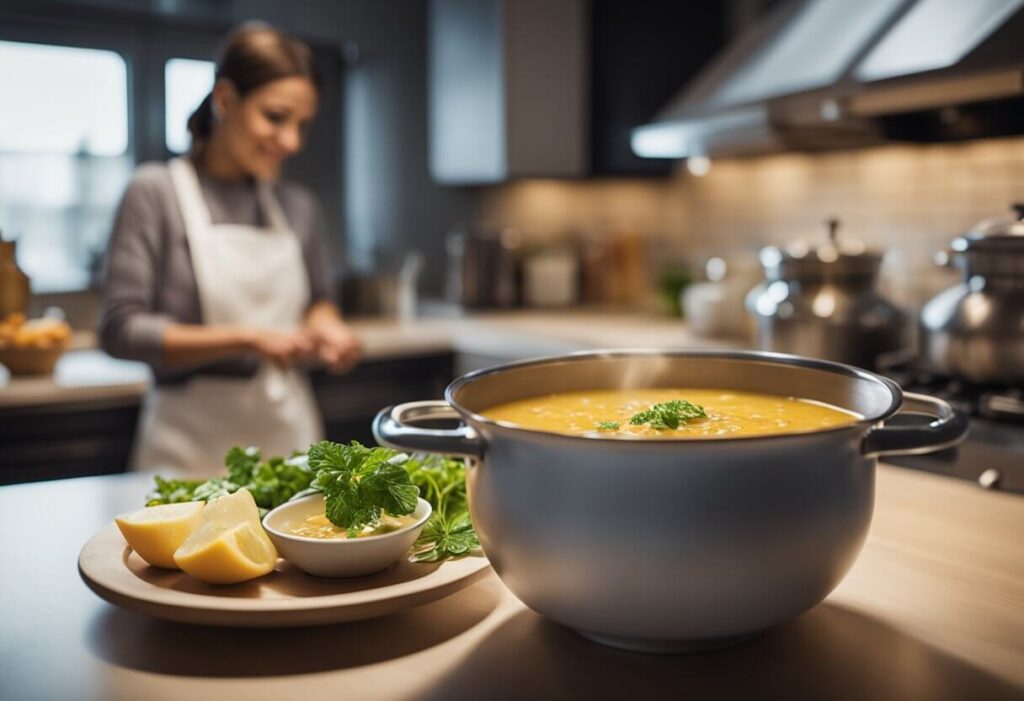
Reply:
x=975 y=329
x=823 y=302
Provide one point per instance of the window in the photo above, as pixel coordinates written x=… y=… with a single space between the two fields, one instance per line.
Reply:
x=81 y=104
x=186 y=82
x=61 y=99
x=64 y=157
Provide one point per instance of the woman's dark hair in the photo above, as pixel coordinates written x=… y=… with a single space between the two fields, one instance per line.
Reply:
x=254 y=55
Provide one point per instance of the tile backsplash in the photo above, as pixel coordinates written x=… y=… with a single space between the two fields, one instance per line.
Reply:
x=906 y=196
x=546 y=209
x=910 y=200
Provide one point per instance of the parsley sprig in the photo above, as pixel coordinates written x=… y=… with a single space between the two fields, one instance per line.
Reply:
x=360 y=483
x=449 y=532
x=271 y=482
x=668 y=415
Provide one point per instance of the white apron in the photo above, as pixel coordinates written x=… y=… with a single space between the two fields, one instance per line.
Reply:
x=247 y=276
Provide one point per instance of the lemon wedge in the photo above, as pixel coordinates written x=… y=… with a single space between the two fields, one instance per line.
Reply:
x=157 y=531
x=230 y=544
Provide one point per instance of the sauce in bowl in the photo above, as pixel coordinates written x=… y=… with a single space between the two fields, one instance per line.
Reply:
x=319 y=526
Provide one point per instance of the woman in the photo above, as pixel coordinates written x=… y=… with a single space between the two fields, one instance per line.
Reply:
x=216 y=275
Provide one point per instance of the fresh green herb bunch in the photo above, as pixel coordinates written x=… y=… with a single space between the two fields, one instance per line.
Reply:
x=668 y=415
x=172 y=491
x=358 y=484
x=449 y=532
x=361 y=483
x=271 y=482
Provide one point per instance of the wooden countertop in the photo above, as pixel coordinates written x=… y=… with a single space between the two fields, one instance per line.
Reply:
x=933 y=609
x=86 y=373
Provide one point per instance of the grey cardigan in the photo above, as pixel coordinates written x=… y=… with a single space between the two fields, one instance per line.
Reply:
x=149 y=282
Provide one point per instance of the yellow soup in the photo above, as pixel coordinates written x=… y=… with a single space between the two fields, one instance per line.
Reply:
x=610 y=412
x=319 y=526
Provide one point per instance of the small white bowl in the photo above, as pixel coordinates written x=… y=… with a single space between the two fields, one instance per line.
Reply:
x=339 y=557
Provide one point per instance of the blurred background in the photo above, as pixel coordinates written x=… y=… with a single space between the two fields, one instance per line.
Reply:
x=447 y=114
x=550 y=176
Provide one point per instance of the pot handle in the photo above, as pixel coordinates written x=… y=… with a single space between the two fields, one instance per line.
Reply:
x=390 y=429
x=948 y=429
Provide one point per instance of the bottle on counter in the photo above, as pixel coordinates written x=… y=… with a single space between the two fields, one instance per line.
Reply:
x=615 y=268
x=14 y=283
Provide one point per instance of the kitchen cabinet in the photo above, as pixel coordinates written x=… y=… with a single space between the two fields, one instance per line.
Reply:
x=528 y=88
x=507 y=89
x=642 y=52
x=67 y=439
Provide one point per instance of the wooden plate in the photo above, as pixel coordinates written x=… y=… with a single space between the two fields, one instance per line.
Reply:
x=286 y=597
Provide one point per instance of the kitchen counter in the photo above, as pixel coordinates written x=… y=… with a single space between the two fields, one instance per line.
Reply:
x=86 y=373
x=933 y=609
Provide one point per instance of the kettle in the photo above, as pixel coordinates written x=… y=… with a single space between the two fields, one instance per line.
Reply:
x=822 y=301
x=975 y=329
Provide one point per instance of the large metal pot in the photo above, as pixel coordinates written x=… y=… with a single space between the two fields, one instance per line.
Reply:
x=669 y=545
x=975 y=330
x=822 y=301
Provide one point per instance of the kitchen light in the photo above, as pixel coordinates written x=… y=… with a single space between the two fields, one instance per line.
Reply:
x=698 y=165
x=659 y=141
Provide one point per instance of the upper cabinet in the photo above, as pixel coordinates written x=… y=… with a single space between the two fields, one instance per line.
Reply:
x=552 y=88
x=507 y=85
x=642 y=53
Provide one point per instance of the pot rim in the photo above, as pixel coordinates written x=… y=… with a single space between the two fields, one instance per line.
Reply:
x=896 y=393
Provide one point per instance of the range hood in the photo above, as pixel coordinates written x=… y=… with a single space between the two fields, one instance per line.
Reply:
x=829 y=74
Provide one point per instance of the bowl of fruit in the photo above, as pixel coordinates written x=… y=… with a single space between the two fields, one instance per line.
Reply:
x=33 y=346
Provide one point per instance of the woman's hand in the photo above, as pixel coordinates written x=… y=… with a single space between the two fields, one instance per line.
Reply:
x=283 y=348
x=336 y=346
x=187 y=345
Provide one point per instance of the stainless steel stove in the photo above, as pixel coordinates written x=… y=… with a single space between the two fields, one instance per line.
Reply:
x=993 y=454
